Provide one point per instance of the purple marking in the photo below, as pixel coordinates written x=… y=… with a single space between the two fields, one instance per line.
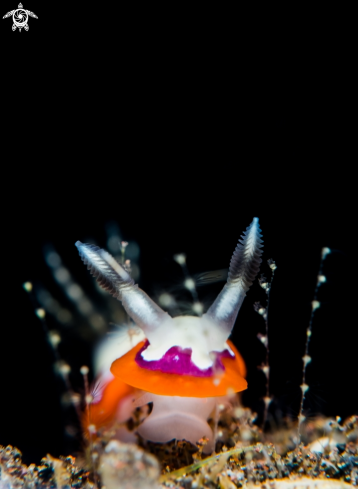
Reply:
x=178 y=361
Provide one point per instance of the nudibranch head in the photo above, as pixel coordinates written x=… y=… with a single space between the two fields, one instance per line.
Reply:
x=184 y=356
x=159 y=377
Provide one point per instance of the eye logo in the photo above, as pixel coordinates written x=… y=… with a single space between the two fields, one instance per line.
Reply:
x=20 y=17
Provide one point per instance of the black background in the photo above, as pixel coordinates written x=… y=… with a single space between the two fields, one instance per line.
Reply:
x=181 y=126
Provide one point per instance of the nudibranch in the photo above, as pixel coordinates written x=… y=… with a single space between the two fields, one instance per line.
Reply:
x=185 y=365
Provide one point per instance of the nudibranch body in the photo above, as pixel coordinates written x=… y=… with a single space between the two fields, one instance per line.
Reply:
x=184 y=365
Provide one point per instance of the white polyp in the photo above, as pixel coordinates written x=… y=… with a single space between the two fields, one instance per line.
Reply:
x=41 y=313
x=267 y=401
x=89 y=399
x=63 y=368
x=325 y=252
x=180 y=258
x=198 y=308
x=321 y=278
x=304 y=388
x=84 y=370
x=263 y=339
x=306 y=359
x=315 y=305
x=27 y=286
x=54 y=338
x=75 y=399
x=189 y=284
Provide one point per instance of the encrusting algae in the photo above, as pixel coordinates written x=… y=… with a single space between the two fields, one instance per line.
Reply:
x=253 y=461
